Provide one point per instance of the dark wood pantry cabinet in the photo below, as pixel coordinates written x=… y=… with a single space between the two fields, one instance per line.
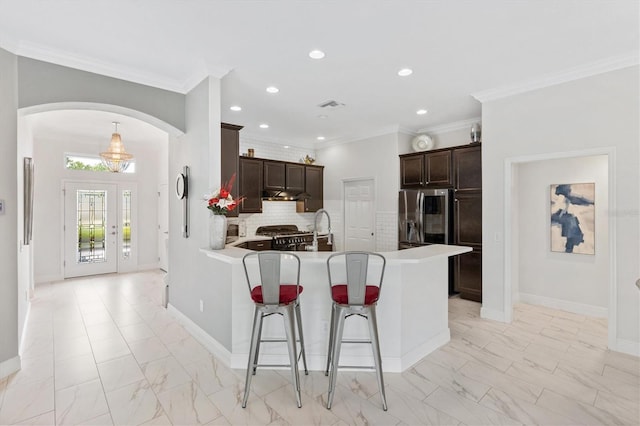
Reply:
x=467 y=214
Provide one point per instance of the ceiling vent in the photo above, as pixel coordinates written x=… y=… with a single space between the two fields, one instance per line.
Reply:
x=331 y=104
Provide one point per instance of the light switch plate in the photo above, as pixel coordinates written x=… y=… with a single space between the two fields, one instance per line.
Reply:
x=1 y=206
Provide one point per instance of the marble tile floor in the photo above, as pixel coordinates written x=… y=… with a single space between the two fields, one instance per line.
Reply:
x=102 y=351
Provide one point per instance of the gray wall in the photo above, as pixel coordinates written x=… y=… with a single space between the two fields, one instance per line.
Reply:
x=29 y=83
x=8 y=221
x=586 y=114
x=44 y=83
x=192 y=275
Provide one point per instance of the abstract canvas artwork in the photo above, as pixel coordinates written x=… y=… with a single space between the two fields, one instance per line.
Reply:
x=573 y=218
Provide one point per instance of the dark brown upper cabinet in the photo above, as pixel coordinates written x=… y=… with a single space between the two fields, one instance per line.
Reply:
x=251 y=185
x=437 y=168
x=467 y=167
x=295 y=178
x=422 y=170
x=229 y=162
x=274 y=175
x=314 y=188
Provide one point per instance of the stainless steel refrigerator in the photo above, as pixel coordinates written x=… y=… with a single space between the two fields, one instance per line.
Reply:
x=425 y=217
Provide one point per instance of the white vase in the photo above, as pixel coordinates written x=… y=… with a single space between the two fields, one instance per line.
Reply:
x=217 y=231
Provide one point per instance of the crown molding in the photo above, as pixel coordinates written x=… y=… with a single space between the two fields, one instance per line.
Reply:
x=570 y=74
x=451 y=127
x=356 y=137
x=83 y=63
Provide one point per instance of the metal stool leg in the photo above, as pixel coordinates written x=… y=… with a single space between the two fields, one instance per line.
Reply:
x=331 y=332
x=289 y=327
x=375 y=345
x=335 y=357
x=255 y=337
x=304 y=355
x=255 y=360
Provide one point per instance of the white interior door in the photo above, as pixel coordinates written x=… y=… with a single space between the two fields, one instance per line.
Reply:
x=90 y=229
x=163 y=226
x=359 y=202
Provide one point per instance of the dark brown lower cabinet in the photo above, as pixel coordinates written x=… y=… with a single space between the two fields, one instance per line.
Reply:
x=467 y=272
x=259 y=245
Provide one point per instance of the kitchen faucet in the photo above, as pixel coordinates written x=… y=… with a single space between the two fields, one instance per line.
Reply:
x=314 y=245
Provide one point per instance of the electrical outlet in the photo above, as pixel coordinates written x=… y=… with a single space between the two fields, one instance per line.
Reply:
x=201 y=306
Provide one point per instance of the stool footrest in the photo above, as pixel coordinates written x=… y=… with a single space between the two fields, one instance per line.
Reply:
x=358 y=367
x=272 y=365
x=356 y=341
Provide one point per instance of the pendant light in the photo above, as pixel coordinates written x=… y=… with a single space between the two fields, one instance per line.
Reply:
x=116 y=159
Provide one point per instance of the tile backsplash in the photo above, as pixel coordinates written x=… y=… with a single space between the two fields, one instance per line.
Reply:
x=276 y=213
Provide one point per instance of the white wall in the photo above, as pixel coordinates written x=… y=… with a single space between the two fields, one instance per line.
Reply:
x=273 y=151
x=375 y=157
x=192 y=275
x=48 y=210
x=594 y=113
x=575 y=282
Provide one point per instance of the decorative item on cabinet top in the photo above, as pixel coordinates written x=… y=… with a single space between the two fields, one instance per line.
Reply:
x=422 y=143
x=476 y=133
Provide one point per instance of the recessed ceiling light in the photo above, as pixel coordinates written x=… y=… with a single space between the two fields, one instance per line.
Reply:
x=235 y=108
x=316 y=54
x=405 y=72
x=285 y=146
x=264 y=126
x=421 y=111
x=272 y=89
x=320 y=138
x=322 y=116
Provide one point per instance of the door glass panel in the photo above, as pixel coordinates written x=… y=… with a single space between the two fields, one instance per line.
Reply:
x=126 y=224
x=92 y=216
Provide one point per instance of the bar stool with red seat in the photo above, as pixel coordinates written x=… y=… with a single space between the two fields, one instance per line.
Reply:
x=271 y=296
x=359 y=296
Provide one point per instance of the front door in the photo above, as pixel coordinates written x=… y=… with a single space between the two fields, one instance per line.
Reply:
x=90 y=229
x=358 y=211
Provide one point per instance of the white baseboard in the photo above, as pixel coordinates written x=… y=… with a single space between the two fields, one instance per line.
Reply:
x=423 y=350
x=24 y=327
x=148 y=266
x=492 y=314
x=564 y=305
x=215 y=347
x=628 y=347
x=9 y=367
x=40 y=279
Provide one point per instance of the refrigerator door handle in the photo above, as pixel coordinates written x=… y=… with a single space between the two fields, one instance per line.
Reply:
x=420 y=216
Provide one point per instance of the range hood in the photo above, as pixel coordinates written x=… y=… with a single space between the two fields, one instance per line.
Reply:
x=275 y=195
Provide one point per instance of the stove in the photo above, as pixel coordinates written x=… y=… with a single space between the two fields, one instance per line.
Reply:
x=290 y=238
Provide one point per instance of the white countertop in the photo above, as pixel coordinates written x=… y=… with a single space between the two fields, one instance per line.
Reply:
x=233 y=254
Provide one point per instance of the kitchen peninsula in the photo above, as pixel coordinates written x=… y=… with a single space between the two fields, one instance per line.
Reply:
x=412 y=311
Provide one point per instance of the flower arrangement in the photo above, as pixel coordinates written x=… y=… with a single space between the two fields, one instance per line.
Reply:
x=221 y=201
